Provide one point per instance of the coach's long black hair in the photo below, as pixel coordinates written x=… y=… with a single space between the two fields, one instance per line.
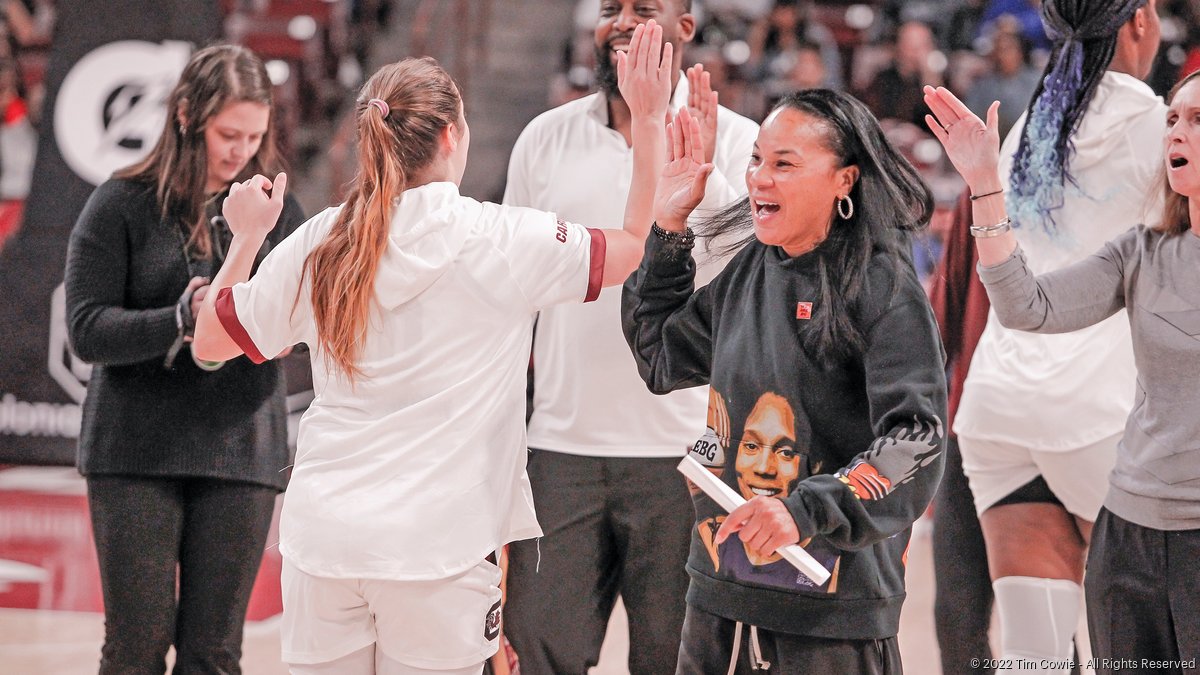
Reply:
x=1084 y=33
x=890 y=200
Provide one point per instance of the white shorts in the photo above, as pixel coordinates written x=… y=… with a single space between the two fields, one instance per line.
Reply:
x=438 y=625
x=1079 y=478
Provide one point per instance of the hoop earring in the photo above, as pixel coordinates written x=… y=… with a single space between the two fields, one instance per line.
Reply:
x=849 y=211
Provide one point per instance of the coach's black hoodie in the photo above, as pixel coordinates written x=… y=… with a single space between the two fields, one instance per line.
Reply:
x=853 y=447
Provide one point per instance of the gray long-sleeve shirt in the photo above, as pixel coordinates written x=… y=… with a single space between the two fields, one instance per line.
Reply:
x=1156 y=277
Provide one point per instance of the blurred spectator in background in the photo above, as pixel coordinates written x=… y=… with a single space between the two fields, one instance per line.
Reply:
x=25 y=30
x=1028 y=15
x=1011 y=80
x=961 y=29
x=18 y=145
x=775 y=39
x=576 y=82
x=801 y=67
x=725 y=78
x=1180 y=52
x=722 y=21
x=366 y=19
x=750 y=9
x=18 y=142
x=961 y=24
x=895 y=92
x=29 y=23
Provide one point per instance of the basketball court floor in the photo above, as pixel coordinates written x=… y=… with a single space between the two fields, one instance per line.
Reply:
x=50 y=600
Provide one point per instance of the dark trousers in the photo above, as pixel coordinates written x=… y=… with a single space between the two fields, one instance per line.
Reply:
x=612 y=526
x=151 y=534
x=708 y=644
x=1143 y=597
x=962 y=608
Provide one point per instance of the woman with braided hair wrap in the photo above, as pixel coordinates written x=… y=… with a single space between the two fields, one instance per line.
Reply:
x=1037 y=453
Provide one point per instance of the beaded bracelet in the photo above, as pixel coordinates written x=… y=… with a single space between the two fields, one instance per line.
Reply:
x=685 y=239
x=990 y=231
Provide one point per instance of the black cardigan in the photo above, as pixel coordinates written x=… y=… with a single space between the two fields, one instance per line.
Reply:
x=126 y=269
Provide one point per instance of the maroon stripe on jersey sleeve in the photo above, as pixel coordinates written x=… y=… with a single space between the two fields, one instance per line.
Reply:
x=233 y=326
x=596 y=269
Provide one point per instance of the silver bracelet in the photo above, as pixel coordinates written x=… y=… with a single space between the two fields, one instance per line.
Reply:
x=991 y=230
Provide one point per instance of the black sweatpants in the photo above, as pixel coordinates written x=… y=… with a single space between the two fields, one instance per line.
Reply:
x=962 y=608
x=211 y=533
x=708 y=644
x=1143 y=597
x=612 y=525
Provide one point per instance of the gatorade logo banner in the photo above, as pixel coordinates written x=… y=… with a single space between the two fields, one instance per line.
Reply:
x=112 y=105
x=111 y=67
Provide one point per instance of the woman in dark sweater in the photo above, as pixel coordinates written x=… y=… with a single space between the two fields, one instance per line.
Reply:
x=827 y=393
x=183 y=459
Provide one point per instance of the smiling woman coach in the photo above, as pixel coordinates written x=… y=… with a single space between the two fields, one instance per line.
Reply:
x=817 y=340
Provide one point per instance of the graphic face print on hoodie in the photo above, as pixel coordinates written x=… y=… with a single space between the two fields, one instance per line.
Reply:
x=772 y=456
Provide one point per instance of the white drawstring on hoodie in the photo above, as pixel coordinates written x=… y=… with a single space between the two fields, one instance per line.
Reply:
x=757 y=662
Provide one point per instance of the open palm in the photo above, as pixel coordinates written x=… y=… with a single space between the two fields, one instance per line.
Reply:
x=681 y=185
x=644 y=73
x=702 y=104
x=972 y=145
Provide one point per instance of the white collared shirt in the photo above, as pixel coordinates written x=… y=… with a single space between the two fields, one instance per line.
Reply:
x=588 y=396
x=1063 y=392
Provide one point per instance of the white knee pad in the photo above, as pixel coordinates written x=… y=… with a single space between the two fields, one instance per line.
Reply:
x=1037 y=622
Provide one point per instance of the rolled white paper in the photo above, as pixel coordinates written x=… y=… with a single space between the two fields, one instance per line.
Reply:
x=729 y=500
